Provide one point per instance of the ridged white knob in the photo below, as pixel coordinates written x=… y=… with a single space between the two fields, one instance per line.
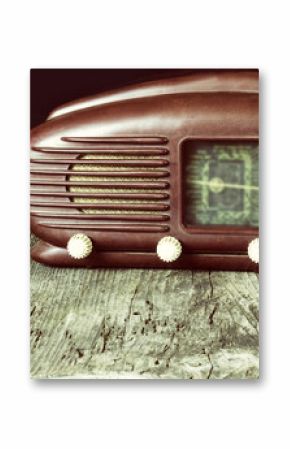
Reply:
x=169 y=249
x=79 y=246
x=253 y=250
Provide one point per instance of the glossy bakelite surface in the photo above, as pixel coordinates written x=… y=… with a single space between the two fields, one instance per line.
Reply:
x=115 y=172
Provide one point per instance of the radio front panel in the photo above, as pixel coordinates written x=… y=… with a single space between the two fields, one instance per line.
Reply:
x=164 y=181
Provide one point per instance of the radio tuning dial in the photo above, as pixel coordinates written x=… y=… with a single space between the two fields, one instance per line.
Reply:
x=253 y=250
x=79 y=246
x=169 y=249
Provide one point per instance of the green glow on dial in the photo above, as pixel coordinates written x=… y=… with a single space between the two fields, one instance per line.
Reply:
x=221 y=184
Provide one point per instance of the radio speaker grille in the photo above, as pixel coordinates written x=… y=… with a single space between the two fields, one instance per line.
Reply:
x=120 y=186
x=120 y=189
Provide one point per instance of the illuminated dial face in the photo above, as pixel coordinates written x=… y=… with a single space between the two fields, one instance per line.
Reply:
x=221 y=184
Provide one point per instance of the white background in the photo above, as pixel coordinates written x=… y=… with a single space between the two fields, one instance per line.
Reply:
x=204 y=34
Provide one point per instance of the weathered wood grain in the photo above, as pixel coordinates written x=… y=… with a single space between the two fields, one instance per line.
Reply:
x=143 y=324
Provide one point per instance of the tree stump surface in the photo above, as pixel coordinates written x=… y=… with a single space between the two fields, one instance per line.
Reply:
x=143 y=324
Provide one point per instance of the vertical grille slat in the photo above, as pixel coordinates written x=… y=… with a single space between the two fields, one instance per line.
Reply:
x=159 y=185
x=106 y=206
x=87 y=217
x=108 y=174
x=109 y=227
x=102 y=150
x=113 y=195
x=107 y=162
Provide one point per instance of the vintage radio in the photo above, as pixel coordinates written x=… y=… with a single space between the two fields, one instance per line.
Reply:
x=162 y=174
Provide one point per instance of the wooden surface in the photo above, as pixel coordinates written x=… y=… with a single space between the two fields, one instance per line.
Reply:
x=147 y=324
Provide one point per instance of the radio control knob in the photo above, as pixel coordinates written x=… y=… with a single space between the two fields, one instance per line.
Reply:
x=169 y=249
x=253 y=250
x=79 y=246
